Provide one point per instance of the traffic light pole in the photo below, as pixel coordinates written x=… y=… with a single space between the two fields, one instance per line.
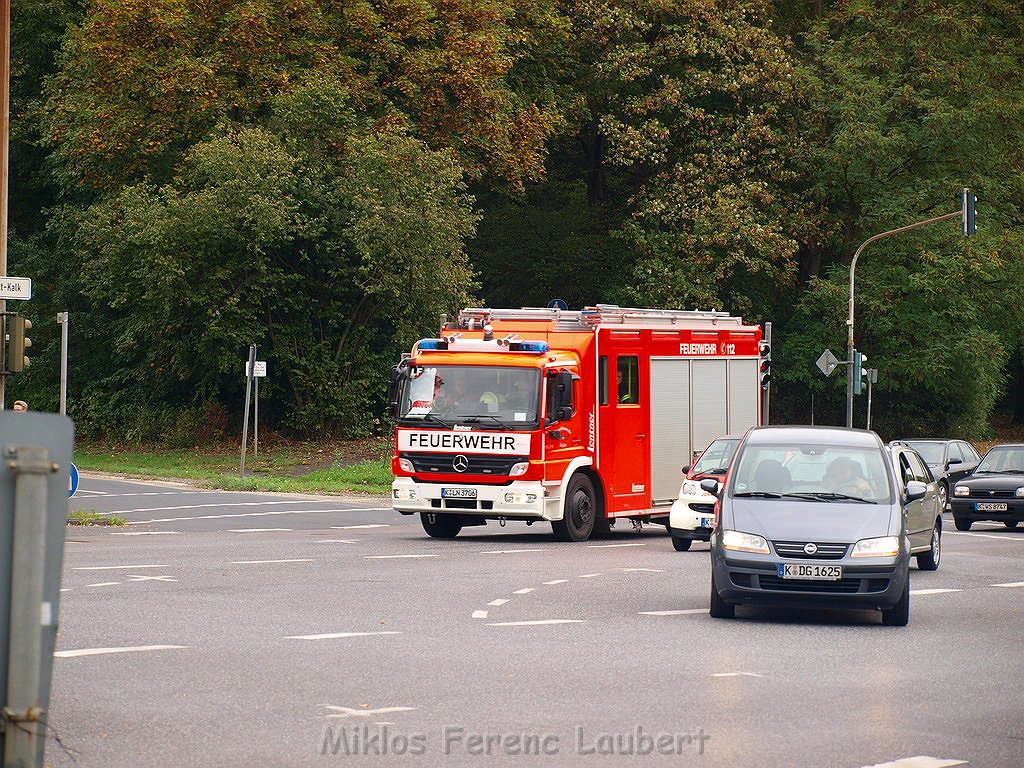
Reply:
x=849 y=320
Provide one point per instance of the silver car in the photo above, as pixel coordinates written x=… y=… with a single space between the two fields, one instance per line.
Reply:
x=820 y=517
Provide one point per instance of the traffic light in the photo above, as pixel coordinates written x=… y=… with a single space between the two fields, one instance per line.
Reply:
x=766 y=364
x=17 y=343
x=858 y=371
x=967 y=202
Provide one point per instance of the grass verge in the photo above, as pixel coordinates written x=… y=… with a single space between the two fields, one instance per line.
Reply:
x=83 y=517
x=289 y=468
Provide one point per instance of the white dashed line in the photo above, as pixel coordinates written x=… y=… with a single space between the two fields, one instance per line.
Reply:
x=921 y=761
x=264 y=562
x=479 y=614
x=104 y=584
x=342 y=712
x=509 y=551
x=556 y=581
x=647 y=570
x=685 y=612
x=535 y=623
x=611 y=546
x=101 y=651
x=1010 y=584
x=736 y=674
x=115 y=567
x=932 y=591
x=259 y=530
x=339 y=635
x=336 y=541
x=526 y=591
x=352 y=527
x=396 y=557
x=589 y=575
x=497 y=602
x=143 y=533
x=153 y=578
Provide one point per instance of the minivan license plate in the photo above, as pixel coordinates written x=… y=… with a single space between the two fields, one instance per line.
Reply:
x=816 y=572
x=458 y=493
x=990 y=506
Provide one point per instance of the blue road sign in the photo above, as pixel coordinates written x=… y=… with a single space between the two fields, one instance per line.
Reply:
x=73 y=482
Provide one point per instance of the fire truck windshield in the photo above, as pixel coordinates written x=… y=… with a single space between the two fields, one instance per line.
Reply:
x=482 y=396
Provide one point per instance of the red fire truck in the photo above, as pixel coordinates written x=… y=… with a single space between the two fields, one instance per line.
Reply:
x=573 y=417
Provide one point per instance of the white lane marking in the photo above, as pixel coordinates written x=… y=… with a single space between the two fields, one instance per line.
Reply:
x=115 y=567
x=66 y=590
x=479 y=614
x=101 y=651
x=986 y=536
x=509 y=551
x=143 y=533
x=589 y=575
x=351 y=527
x=932 y=591
x=339 y=635
x=152 y=578
x=336 y=541
x=94 y=493
x=225 y=517
x=395 y=557
x=497 y=602
x=263 y=562
x=535 y=623
x=104 y=584
x=736 y=674
x=685 y=612
x=610 y=546
x=556 y=581
x=342 y=712
x=921 y=761
x=1009 y=584
x=525 y=591
x=259 y=530
x=648 y=570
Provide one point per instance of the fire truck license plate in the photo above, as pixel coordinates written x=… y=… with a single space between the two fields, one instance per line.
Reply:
x=816 y=572
x=990 y=506
x=458 y=493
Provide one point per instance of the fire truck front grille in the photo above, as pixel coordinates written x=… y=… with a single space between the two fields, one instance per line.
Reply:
x=462 y=464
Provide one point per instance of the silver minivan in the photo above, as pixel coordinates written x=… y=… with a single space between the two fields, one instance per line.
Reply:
x=820 y=517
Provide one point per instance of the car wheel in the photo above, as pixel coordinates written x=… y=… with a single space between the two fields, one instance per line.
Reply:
x=680 y=544
x=719 y=608
x=1010 y=523
x=962 y=524
x=441 y=526
x=943 y=497
x=899 y=614
x=929 y=561
x=577 y=522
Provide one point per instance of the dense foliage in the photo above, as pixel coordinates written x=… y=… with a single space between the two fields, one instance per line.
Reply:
x=324 y=179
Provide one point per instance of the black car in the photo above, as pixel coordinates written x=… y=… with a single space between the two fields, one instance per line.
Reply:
x=994 y=491
x=820 y=517
x=949 y=461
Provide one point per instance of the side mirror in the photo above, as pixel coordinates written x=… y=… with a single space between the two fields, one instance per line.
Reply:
x=561 y=400
x=916 y=490
x=712 y=486
x=686 y=468
x=951 y=462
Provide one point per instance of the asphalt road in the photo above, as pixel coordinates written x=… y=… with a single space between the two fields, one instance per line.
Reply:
x=241 y=629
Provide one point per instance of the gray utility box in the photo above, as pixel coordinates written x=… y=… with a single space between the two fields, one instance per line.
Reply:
x=35 y=466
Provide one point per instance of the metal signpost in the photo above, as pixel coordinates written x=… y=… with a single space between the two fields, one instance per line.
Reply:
x=35 y=458
x=62 y=319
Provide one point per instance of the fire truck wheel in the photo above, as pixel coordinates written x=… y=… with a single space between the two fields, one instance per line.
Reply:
x=441 y=526
x=580 y=510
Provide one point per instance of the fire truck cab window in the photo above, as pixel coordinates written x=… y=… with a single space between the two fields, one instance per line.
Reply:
x=627 y=373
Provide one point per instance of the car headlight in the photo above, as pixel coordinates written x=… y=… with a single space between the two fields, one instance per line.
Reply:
x=961 y=490
x=519 y=469
x=737 y=541
x=884 y=546
x=691 y=488
x=1020 y=492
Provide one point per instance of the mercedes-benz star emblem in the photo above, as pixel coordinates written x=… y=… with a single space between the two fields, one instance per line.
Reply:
x=460 y=463
x=810 y=548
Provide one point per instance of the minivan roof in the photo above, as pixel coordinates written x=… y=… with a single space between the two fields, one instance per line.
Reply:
x=797 y=433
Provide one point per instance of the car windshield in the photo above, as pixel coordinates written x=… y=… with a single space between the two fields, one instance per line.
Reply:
x=932 y=453
x=812 y=471
x=1003 y=460
x=715 y=459
x=488 y=396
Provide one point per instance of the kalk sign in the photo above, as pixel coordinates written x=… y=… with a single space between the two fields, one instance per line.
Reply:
x=439 y=441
